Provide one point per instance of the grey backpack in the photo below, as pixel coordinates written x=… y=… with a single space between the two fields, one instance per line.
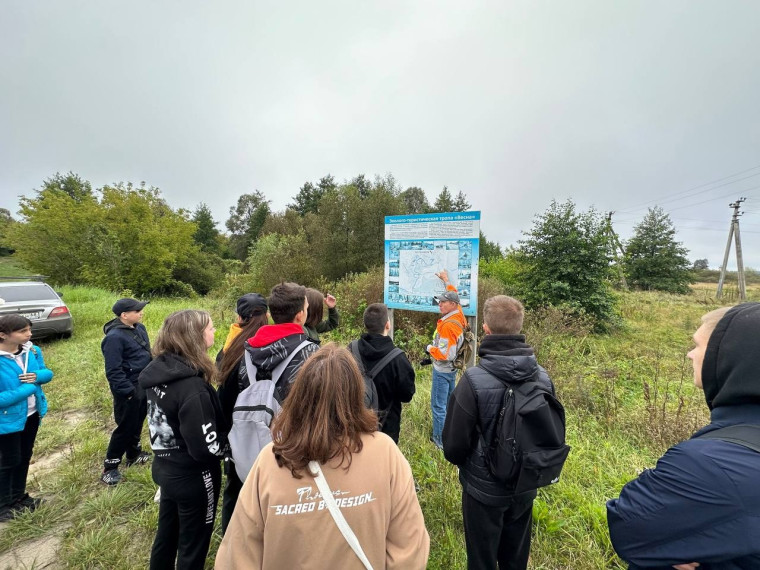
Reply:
x=255 y=407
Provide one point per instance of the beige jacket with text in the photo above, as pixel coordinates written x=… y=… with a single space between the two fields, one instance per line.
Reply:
x=281 y=522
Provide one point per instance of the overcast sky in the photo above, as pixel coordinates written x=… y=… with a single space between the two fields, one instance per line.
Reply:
x=619 y=105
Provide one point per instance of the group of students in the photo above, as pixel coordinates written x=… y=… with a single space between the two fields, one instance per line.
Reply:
x=331 y=483
x=189 y=424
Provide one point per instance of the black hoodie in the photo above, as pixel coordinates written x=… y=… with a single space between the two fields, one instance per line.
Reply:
x=185 y=419
x=474 y=408
x=394 y=383
x=732 y=359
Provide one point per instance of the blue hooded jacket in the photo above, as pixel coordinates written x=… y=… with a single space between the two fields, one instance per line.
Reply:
x=701 y=503
x=14 y=393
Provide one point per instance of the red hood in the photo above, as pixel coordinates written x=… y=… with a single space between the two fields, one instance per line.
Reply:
x=268 y=334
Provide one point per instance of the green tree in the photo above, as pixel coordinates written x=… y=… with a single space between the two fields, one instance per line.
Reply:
x=363 y=185
x=415 y=200
x=347 y=234
x=55 y=236
x=565 y=262
x=129 y=239
x=138 y=241
x=71 y=184
x=444 y=202
x=6 y=221
x=308 y=197
x=460 y=203
x=654 y=260
x=247 y=219
x=206 y=235
x=700 y=265
x=276 y=258
x=489 y=250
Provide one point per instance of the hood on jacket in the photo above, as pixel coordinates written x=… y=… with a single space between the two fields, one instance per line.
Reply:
x=268 y=334
x=732 y=359
x=273 y=343
x=166 y=368
x=26 y=347
x=507 y=357
x=115 y=324
x=374 y=346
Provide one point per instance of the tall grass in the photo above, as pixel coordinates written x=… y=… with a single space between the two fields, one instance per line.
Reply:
x=628 y=397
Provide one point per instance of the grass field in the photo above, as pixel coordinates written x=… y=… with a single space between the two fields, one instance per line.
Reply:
x=628 y=395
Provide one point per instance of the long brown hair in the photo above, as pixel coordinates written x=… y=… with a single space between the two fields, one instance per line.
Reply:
x=324 y=415
x=316 y=309
x=182 y=335
x=234 y=353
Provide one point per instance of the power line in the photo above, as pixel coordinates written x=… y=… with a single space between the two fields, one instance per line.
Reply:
x=684 y=192
x=745 y=191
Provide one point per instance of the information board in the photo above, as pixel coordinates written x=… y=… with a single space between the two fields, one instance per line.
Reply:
x=419 y=246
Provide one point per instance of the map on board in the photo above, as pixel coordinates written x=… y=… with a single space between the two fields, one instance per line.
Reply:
x=418 y=269
x=412 y=268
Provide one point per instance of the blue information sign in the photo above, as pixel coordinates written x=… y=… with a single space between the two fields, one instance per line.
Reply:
x=419 y=246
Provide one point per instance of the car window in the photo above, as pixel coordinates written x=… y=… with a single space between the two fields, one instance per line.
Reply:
x=34 y=292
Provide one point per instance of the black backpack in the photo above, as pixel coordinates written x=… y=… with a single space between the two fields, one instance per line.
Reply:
x=371 y=400
x=528 y=449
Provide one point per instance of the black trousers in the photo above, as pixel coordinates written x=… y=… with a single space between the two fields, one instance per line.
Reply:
x=129 y=415
x=230 y=495
x=15 y=455
x=186 y=516
x=497 y=534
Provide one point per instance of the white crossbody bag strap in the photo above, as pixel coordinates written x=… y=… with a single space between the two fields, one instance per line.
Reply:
x=345 y=529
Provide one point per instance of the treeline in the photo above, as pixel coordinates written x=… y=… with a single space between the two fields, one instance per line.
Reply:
x=127 y=237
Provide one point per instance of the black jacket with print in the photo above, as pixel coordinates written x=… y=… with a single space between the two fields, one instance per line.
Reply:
x=185 y=419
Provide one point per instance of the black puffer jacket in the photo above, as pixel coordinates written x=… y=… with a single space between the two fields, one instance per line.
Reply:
x=474 y=408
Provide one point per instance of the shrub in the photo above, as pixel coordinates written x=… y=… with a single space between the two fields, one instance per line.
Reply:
x=566 y=261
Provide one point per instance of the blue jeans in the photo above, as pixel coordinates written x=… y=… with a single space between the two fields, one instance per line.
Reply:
x=443 y=386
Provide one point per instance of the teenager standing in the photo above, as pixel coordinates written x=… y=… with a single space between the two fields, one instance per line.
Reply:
x=126 y=352
x=22 y=405
x=187 y=434
x=252 y=315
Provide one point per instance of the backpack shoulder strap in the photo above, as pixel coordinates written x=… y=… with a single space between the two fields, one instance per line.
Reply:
x=250 y=369
x=280 y=368
x=139 y=340
x=353 y=347
x=747 y=435
x=384 y=362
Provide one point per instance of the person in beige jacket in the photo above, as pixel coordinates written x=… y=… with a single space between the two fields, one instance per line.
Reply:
x=281 y=521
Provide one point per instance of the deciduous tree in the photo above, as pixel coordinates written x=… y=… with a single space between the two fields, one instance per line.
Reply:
x=566 y=262
x=415 y=200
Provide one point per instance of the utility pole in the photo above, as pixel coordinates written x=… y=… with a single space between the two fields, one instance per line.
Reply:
x=615 y=242
x=733 y=232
